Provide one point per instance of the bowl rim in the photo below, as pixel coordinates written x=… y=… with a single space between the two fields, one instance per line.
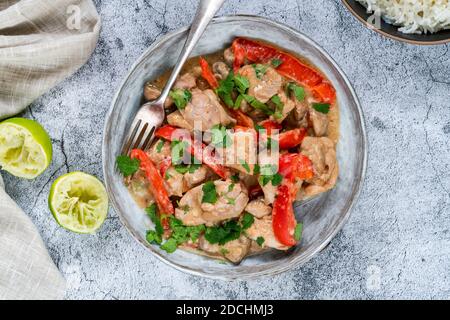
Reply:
x=296 y=262
x=392 y=36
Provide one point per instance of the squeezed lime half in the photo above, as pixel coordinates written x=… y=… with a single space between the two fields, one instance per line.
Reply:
x=25 y=148
x=79 y=202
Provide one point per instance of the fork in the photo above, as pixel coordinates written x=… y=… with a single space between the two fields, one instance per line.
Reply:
x=151 y=115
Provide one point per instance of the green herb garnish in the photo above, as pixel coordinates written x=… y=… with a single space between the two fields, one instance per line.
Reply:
x=321 y=107
x=278 y=107
x=181 y=97
x=298 y=231
x=245 y=165
x=170 y=246
x=242 y=83
x=152 y=213
x=275 y=179
x=178 y=150
x=258 y=104
x=260 y=70
x=260 y=241
x=126 y=165
x=153 y=237
x=225 y=89
x=229 y=231
x=238 y=102
x=220 y=137
x=247 y=221
x=183 y=169
x=298 y=91
x=235 y=178
x=276 y=62
x=209 y=193
x=159 y=146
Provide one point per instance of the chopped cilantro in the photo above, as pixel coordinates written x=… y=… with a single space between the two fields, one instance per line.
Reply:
x=126 y=165
x=183 y=169
x=298 y=91
x=276 y=62
x=178 y=151
x=223 y=251
x=235 y=178
x=245 y=165
x=279 y=107
x=258 y=104
x=231 y=187
x=181 y=97
x=298 y=231
x=242 y=83
x=227 y=232
x=153 y=237
x=321 y=107
x=247 y=221
x=159 y=146
x=170 y=246
x=238 y=102
x=260 y=70
x=220 y=137
x=260 y=241
x=209 y=193
x=152 y=213
x=225 y=89
x=275 y=179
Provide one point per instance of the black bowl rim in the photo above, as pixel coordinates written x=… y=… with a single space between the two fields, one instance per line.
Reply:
x=392 y=32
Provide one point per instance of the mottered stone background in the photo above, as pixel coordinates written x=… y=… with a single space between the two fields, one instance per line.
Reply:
x=399 y=228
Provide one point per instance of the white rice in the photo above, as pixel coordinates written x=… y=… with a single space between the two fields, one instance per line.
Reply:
x=415 y=16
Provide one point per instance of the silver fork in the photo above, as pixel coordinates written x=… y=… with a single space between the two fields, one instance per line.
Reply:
x=151 y=115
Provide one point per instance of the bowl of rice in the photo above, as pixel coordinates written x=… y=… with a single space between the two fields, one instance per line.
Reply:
x=423 y=22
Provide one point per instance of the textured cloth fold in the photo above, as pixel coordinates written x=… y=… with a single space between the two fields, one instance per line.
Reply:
x=41 y=43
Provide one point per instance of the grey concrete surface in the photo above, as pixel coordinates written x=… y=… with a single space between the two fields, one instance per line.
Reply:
x=397 y=242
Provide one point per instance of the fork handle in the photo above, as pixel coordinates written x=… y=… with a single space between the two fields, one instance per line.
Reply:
x=205 y=12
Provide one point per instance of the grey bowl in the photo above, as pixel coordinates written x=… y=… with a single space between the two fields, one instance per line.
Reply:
x=322 y=218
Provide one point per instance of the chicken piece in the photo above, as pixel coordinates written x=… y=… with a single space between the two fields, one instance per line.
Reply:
x=267 y=161
x=322 y=153
x=186 y=81
x=235 y=250
x=174 y=182
x=270 y=192
x=231 y=201
x=228 y=55
x=258 y=208
x=159 y=151
x=266 y=86
x=288 y=106
x=319 y=122
x=205 y=109
x=151 y=92
x=241 y=154
x=263 y=228
x=193 y=179
x=176 y=119
x=189 y=210
x=221 y=70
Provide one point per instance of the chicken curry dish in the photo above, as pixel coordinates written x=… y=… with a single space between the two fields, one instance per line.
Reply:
x=248 y=131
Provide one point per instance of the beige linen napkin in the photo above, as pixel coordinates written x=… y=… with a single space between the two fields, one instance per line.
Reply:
x=41 y=43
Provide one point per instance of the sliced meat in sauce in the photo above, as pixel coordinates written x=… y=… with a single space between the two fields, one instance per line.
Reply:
x=263 y=228
x=321 y=151
x=176 y=119
x=159 y=151
x=186 y=81
x=319 y=122
x=234 y=250
x=241 y=154
x=258 y=208
x=195 y=178
x=205 y=109
x=288 y=106
x=221 y=70
x=174 y=182
x=266 y=86
x=231 y=201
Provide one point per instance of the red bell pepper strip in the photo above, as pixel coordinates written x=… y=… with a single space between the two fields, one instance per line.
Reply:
x=290 y=67
x=292 y=138
x=168 y=132
x=207 y=74
x=164 y=165
x=295 y=165
x=283 y=218
x=270 y=125
x=239 y=55
x=242 y=119
x=156 y=182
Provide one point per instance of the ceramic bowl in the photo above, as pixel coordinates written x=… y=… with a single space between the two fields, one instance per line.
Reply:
x=322 y=218
x=391 y=31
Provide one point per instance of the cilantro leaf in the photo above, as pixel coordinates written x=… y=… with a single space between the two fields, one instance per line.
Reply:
x=258 y=104
x=227 y=232
x=209 y=193
x=260 y=70
x=225 y=89
x=126 y=165
x=245 y=165
x=247 y=221
x=276 y=179
x=241 y=82
x=260 y=241
x=279 y=107
x=181 y=97
x=159 y=146
x=220 y=137
x=183 y=169
x=152 y=213
x=276 y=62
x=321 y=107
x=298 y=231
x=153 y=237
x=170 y=246
x=298 y=91
x=178 y=149
x=235 y=178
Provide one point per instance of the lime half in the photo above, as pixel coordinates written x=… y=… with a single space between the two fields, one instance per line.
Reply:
x=25 y=148
x=79 y=202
